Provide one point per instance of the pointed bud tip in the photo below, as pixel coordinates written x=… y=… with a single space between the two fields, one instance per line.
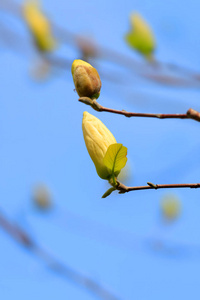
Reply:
x=85 y=114
x=88 y=117
x=79 y=62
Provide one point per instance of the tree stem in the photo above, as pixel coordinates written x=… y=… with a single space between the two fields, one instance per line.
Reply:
x=151 y=186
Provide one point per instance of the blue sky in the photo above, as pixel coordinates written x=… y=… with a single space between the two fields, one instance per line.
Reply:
x=111 y=240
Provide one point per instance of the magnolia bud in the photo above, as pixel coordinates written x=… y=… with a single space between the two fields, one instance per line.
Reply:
x=97 y=139
x=86 y=79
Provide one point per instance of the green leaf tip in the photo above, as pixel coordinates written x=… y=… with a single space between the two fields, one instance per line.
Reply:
x=108 y=192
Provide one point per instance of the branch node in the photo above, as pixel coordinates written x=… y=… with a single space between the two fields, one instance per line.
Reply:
x=155 y=186
x=96 y=105
x=193 y=114
x=159 y=116
x=197 y=185
x=126 y=113
x=122 y=188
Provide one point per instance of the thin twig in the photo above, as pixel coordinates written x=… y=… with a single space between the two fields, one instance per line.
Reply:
x=151 y=186
x=191 y=113
x=58 y=267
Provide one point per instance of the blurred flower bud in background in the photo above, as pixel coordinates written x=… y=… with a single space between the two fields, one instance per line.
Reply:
x=87 y=46
x=86 y=79
x=42 y=197
x=40 y=69
x=141 y=37
x=39 y=26
x=170 y=207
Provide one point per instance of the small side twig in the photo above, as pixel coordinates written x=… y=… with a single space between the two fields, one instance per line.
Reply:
x=190 y=114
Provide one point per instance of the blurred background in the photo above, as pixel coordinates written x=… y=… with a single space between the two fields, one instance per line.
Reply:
x=59 y=239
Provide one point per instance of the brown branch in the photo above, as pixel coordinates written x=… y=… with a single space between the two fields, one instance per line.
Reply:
x=151 y=186
x=16 y=233
x=191 y=113
x=25 y=240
